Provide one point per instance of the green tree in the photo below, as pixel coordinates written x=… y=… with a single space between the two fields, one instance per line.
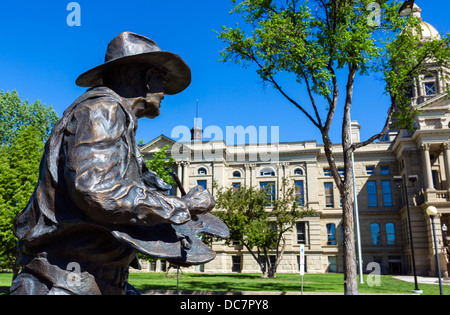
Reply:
x=24 y=128
x=19 y=171
x=260 y=229
x=162 y=164
x=15 y=114
x=318 y=41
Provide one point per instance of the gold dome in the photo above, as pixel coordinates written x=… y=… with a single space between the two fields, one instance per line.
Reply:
x=428 y=30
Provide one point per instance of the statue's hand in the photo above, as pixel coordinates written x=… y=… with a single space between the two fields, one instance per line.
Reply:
x=199 y=201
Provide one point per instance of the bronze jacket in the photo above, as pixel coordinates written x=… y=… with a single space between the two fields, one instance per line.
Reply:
x=95 y=198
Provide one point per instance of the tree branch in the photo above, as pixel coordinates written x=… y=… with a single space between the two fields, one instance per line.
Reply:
x=313 y=103
x=379 y=135
x=348 y=104
x=278 y=87
x=391 y=110
x=333 y=103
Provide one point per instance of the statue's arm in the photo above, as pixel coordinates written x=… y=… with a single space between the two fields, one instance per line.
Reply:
x=98 y=176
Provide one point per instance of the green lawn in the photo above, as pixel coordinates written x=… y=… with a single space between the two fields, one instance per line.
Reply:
x=282 y=283
x=253 y=282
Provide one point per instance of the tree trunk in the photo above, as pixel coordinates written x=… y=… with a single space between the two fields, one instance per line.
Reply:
x=350 y=265
x=265 y=267
x=274 y=267
x=261 y=262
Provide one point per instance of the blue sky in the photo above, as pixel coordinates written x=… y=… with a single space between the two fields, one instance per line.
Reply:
x=41 y=57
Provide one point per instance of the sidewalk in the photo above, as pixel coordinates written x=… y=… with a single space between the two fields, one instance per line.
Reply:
x=424 y=280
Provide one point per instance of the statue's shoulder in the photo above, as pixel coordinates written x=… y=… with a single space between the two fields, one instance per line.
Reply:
x=100 y=95
x=99 y=100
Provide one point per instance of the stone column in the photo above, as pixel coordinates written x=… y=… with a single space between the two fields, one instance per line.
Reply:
x=247 y=175
x=253 y=175
x=446 y=148
x=312 y=185
x=282 y=173
x=284 y=167
x=185 y=180
x=428 y=176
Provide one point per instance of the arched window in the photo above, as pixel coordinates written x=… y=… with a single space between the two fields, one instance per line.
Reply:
x=202 y=171
x=298 y=171
x=237 y=174
x=267 y=172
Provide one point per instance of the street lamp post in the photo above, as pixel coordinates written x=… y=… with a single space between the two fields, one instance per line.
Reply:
x=406 y=8
x=432 y=211
x=412 y=179
x=356 y=211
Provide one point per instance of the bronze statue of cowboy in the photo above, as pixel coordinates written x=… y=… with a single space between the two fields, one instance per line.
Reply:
x=96 y=204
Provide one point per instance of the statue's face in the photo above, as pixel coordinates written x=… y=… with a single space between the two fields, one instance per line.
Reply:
x=154 y=93
x=146 y=90
x=142 y=86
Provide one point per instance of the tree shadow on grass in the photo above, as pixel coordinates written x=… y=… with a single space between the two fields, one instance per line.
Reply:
x=249 y=283
x=231 y=276
x=4 y=290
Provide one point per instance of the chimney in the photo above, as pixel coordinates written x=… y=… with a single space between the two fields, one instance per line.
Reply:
x=355 y=127
x=197 y=132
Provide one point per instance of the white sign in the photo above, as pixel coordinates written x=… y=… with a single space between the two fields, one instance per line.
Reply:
x=302 y=259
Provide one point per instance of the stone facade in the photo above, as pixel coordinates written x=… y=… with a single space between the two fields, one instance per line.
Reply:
x=382 y=211
x=383 y=215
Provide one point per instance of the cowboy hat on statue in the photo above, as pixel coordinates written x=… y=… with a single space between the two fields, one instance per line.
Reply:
x=96 y=204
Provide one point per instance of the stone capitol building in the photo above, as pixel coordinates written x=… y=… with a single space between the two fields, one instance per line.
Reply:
x=383 y=214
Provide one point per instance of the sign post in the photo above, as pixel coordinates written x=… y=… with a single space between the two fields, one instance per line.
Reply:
x=302 y=263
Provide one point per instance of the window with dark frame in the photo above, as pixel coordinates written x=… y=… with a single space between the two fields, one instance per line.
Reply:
x=387 y=193
x=300 y=192
x=298 y=171
x=301 y=232
x=267 y=172
x=370 y=170
x=269 y=187
x=332 y=264
x=375 y=233
x=329 y=197
x=372 y=193
x=203 y=183
x=236 y=261
x=331 y=234
x=390 y=233
x=385 y=170
x=430 y=88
